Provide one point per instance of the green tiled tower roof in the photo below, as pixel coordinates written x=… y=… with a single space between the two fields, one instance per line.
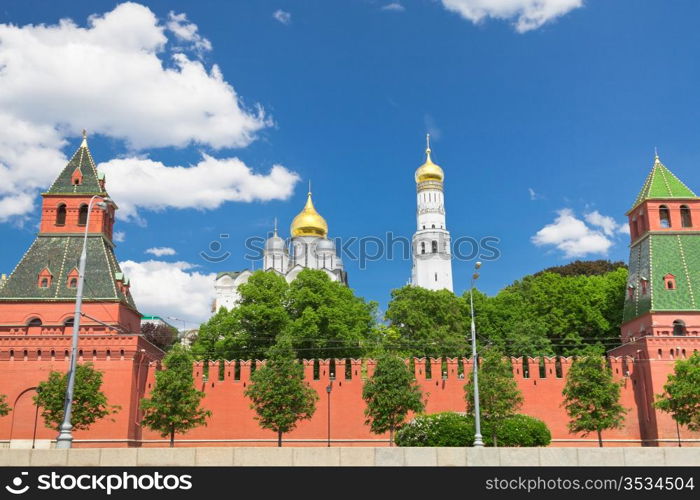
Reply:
x=656 y=256
x=662 y=184
x=59 y=253
x=81 y=160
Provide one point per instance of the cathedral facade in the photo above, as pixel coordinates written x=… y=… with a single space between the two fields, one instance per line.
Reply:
x=432 y=256
x=309 y=248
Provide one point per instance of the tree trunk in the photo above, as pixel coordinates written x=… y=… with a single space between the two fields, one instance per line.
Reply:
x=172 y=437
x=495 y=441
x=279 y=439
x=600 y=438
x=678 y=433
x=391 y=436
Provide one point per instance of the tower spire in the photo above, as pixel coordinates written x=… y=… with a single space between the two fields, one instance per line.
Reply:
x=656 y=155
x=275 y=226
x=84 y=143
x=427 y=146
x=309 y=192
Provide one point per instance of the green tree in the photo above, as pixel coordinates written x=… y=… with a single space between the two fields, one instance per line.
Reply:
x=160 y=335
x=278 y=392
x=499 y=396
x=591 y=396
x=390 y=394
x=431 y=323
x=174 y=403
x=4 y=407
x=681 y=396
x=550 y=313
x=327 y=319
x=89 y=402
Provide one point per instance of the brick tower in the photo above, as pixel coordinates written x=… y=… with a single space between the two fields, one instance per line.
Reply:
x=37 y=303
x=661 y=319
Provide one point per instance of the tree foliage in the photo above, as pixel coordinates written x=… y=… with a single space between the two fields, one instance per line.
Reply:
x=550 y=313
x=390 y=394
x=278 y=393
x=681 y=395
x=322 y=318
x=159 y=334
x=499 y=396
x=4 y=407
x=585 y=268
x=174 y=403
x=89 y=402
x=591 y=397
x=430 y=323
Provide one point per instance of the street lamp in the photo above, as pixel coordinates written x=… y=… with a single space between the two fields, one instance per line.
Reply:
x=329 y=388
x=478 y=442
x=65 y=437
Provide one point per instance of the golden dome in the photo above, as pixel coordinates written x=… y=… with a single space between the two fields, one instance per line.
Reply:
x=429 y=171
x=309 y=222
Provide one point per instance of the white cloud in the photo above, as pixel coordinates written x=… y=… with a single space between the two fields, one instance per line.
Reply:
x=282 y=16
x=161 y=251
x=143 y=183
x=526 y=14
x=171 y=289
x=533 y=194
x=125 y=76
x=119 y=236
x=186 y=31
x=572 y=236
x=394 y=7
x=606 y=223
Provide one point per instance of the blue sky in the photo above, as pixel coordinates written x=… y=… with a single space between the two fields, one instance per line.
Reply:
x=545 y=133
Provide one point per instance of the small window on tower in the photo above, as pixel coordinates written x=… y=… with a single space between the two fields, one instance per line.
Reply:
x=422 y=247
x=44 y=283
x=670 y=282
x=433 y=226
x=61 y=215
x=643 y=282
x=664 y=216
x=434 y=245
x=679 y=328
x=686 y=219
x=630 y=292
x=73 y=283
x=435 y=276
x=82 y=215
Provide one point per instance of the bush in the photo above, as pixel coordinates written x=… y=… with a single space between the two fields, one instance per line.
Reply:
x=438 y=429
x=519 y=430
x=452 y=429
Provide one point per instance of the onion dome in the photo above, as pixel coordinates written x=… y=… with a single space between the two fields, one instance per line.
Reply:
x=275 y=243
x=325 y=245
x=429 y=171
x=309 y=222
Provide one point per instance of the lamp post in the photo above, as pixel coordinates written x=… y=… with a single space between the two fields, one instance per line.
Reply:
x=36 y=417
x=184 y=326
x=478 y=441
x=329 y=388
x=65 y=437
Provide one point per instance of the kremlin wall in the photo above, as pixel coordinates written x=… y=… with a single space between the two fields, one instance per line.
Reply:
x=660 y=324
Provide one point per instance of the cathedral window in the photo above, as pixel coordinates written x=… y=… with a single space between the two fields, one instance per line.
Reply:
x=61 y=215
x=679 y=328
x=670 y=282
x=434 y=246
x=422 y=247
x=435 y=276
x=82 y=215
x=664 y=216
x=433 y=226
x=686 y=220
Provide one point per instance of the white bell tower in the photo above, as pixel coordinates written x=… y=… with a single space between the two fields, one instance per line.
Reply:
x=432 y=257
